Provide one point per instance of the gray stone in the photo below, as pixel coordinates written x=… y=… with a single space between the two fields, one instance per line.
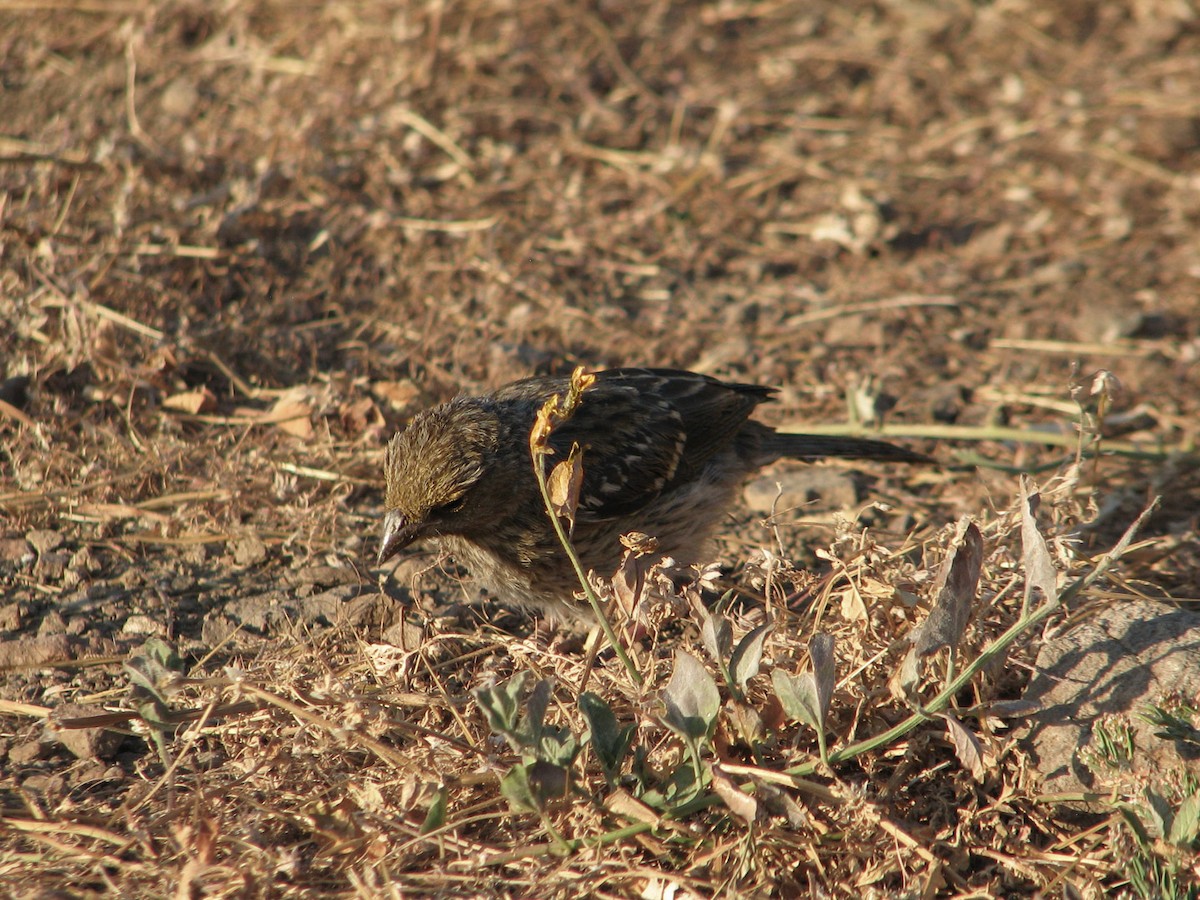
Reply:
x=811 y=487
x=1106 y=671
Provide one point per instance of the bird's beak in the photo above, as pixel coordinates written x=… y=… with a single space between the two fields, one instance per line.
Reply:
x=398 y=533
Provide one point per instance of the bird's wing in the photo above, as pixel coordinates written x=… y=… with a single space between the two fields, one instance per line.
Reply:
x=711 y=411
x=644 y=430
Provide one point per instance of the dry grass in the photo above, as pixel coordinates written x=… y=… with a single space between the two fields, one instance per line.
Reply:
x=241 y=243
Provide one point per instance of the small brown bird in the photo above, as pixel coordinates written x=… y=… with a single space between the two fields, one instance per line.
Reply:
x=663 y=453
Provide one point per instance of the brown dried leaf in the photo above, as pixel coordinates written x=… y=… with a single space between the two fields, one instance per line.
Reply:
x=564 y=485
x=542 y=426
x=580 y=382
x=112 y=511
x=400 y=395
x=639 y=542
x=955 y=588
x=292 y=415
x=192 y=402
x=624 y=804
x=1040 y=573
x=966 y=747
x=741 y=804
x=628 y=582
x=361 y=416
x=745 y=720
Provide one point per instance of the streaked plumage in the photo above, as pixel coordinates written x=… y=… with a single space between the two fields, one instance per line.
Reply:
x=664 y=452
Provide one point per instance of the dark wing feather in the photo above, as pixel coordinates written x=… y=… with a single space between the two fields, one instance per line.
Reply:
x=643 y=431
x=711 y=412
x=632 y=445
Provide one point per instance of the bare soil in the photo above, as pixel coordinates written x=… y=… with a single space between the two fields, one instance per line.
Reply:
x=241 y=243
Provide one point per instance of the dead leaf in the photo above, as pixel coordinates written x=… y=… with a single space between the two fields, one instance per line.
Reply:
x=628 y=582
x=292 y=416
x=639 y=542
x=565 y=483
x=542 y=426
x=113 y=511
x=954 y=591
x=966 y=747
x=400 y=395
x=192 y=402
x=361 y=416
x=1040 y=573
x=624 y=804
x=741 y=804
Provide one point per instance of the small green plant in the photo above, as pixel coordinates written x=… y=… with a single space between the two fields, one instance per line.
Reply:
x=1167 y=836
x=546 y=751
x=1112 y=745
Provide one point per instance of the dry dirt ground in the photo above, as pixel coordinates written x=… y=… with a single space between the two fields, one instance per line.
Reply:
x=241 y=242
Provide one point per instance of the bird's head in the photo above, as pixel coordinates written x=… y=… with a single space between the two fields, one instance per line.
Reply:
x=433 y=471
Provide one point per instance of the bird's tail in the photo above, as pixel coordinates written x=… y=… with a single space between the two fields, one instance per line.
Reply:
x=819 y=446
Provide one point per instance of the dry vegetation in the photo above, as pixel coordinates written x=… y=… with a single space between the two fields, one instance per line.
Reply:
x=242 y=241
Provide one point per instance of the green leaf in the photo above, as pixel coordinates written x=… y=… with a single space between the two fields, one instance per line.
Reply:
x=820 y=651
x=534 y=720
x=556 y=746
x=609 y=740
x=436 y=817
x=717 y=636
x=515 y=788
x=747 y=657
x=155 y=669
x=500 y=705
x=1186 y=826
x=1159 y=811
x=691 y=698
x=155 y=673
x=686 y=783
x=798 y=696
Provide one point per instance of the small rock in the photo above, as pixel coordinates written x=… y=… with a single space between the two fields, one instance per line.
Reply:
x=51 y=566
x=814 y=487
x=32 y=652
x=326 y=608
x=249 y=551
x=258 y=612
x=854 y=331
x=1124 y=658
x=83 y=561
x=28 y=752
x=50 y=787
x=43 y=540
x=370 y=611
x=52 y=623
x=217 y=629
x=139 y=624
x=323 y=576
x=405 y=634
x=179 y=98
x=85 y=743
x=132 y=577
x=195 y=555
x=16 y=552
x=11 y=616
x=946 y=401
x=92 y=773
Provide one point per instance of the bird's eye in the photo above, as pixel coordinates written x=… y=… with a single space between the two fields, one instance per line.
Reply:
x=449 y=509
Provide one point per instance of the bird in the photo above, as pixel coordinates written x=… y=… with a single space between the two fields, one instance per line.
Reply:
x=663 y=453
